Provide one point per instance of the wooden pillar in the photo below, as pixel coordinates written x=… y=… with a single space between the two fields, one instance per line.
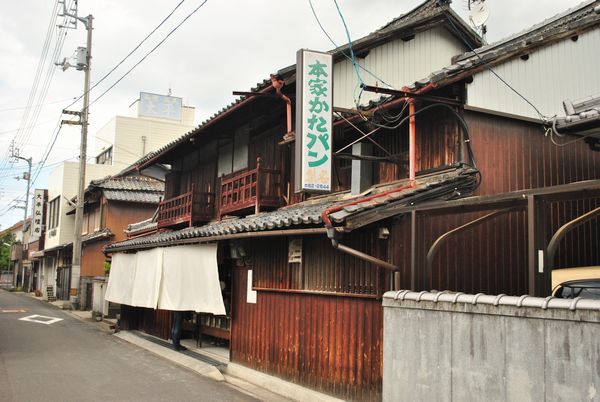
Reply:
x=539 y=276
x=413 y=250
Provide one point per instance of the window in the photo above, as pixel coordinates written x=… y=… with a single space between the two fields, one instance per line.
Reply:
x=234 y=156
x=105 y=158
x=53 y=212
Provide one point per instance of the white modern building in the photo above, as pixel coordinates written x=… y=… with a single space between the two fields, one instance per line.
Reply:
x=155 y=121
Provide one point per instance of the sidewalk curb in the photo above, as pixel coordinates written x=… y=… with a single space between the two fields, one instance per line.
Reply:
x=199 y=367
x=284 y=388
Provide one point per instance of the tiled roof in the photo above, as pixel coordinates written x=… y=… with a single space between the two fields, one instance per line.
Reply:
x=309 y=213
x=97 y=235
x=147 y=224
x=140 y=183
x=133 y=196
x=548 y=31
x=582 y=112
x=525 y=301
x=140 y=189
x=425 y=11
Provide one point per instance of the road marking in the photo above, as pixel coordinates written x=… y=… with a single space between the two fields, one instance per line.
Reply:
x=13 y=311
x=41 y=319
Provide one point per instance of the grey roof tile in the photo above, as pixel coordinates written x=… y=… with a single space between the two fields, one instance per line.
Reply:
x=559 y=26
x=302 y=214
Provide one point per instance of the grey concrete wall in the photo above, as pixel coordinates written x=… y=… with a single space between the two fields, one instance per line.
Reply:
x=443 y=351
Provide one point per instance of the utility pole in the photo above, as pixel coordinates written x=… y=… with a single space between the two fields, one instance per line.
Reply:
x=84 y=61
x=27 y=176
x=14 y=153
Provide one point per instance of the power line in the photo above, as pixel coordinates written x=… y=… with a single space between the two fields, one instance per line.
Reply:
x=58 y=128
x=17 y=129
x=352 y=55
x=149 y=53
x=129 y=54
x=491 y=70
x=24 y=133
x=343 y=53
x=41 y=104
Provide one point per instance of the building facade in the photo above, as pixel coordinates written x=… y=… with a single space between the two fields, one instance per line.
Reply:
x=302 y=274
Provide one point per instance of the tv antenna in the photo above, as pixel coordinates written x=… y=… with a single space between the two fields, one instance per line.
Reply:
x=478 y=15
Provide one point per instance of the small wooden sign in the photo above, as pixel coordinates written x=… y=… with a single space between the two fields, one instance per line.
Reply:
x=295 y=250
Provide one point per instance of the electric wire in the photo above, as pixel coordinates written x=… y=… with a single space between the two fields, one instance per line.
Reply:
x=150 y=52
x=366 y=70
x=463 y=124
x=491 y=70
x=34 y=86
x=131 y=52
x=53 y=139
x=59 y=125
x=43 y=104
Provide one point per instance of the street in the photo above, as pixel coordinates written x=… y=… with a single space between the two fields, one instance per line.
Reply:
x=52 y=356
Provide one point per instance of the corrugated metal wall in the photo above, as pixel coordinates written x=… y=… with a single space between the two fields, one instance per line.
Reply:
x=398 y=63
x=492 y=257
x=331 y=344
x=515 y=155
x=547 y=78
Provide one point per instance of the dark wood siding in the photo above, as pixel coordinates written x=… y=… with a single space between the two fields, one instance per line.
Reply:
x=92 y=258
x=323 y=269
x=153 y=322
x=515 y=155
x=492 y=257
x=329 y=343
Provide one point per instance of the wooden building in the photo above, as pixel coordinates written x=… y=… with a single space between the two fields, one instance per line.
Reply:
x=302 y=274
x=110 y=204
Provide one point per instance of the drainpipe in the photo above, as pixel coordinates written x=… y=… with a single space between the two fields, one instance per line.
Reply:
x=278 y=84
x=331 y=232
x=412 y=128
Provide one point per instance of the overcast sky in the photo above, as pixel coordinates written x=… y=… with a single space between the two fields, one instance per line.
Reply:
x=227 y=45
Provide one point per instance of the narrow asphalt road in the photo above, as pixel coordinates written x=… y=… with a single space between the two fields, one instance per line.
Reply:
x=71 y=360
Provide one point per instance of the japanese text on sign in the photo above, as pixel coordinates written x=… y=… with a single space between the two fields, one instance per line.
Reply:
x=37 y=218
x=314 y=141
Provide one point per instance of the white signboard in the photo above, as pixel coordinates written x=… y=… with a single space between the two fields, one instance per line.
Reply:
x=160 y=106
x=314 y=117
x=37 y=220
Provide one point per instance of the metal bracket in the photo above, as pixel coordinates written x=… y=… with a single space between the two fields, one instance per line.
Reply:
x=440 y=240
x=563 y=230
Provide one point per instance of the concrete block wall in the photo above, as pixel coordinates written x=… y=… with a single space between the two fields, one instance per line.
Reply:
x=474 y=348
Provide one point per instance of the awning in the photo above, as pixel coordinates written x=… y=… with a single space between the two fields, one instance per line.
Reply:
x=36 y=254
x=183 y=278
x=120 y=281
x=146 y=283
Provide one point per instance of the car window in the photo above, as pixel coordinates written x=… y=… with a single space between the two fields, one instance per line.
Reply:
x=571 y=292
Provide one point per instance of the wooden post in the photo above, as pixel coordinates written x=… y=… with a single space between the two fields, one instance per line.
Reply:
x=539 y=276
x=413 y=250
x=257 y=205
x=191 y=206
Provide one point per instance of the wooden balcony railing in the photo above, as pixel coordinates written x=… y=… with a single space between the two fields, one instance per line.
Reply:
x=191 y=207
x=257 y=188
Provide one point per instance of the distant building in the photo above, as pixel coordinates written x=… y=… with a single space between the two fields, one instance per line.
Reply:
x=156 y=120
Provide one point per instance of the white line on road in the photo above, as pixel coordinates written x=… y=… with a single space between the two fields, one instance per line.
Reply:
x=41 y=319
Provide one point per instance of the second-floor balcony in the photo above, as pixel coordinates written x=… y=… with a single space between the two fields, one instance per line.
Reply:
x=189 y=208
x=250 y=191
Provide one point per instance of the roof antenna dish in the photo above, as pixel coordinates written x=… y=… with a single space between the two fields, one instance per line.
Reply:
x=479 y=14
